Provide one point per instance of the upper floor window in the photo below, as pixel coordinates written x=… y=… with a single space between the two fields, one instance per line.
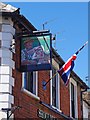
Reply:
x=0 y=61
x=30 y=82
x=0 y=27
x=73 y=99
x=0 y=43
x=55 y=88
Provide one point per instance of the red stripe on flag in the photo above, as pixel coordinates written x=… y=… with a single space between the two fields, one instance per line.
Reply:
x=67 y=65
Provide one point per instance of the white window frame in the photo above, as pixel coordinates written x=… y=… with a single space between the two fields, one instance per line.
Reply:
x=35 y=88
x=56 y=66
x=75 y=97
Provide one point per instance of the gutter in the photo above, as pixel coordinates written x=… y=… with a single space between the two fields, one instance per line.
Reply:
x=56 y=111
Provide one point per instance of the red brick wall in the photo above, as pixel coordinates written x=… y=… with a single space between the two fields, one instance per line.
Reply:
x=44 y=94
x=79 y=101
x=31 y=105
x=64 y=98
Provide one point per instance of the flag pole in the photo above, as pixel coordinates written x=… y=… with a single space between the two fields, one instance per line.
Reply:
x=50 y=79
x=45 y=83
x=81 y=48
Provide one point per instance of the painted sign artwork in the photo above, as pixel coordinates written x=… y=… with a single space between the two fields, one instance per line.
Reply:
x=36 y=52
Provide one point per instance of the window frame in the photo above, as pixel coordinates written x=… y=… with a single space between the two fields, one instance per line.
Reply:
x=35 y=74
x=56 y=67
x=72 y=81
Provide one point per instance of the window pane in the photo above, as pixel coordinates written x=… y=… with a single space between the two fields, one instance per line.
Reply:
x=72 y=101
x=28 y=81
x=54 y=88
x=53 y=96
x=72 y=92
x=0 y=27
x=0 y=43
x=0 y=61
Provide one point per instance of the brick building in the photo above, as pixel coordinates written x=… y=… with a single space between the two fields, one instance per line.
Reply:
x=26 y=98
x=86 y=104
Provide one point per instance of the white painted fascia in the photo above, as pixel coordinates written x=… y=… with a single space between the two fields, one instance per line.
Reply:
x=7 y=7
x=3 y=20
x=7 y=79
x=35 y=74
x=5 y=70
x=6 y=36
x=5 y=44
x=8 y=62
x=5 y=105
x=8 y=28
x=56 y=66
x=85 y=110
x=5 y=88
x=3 y=115
x=6 y=98
x=76 y=98
x=5 y=53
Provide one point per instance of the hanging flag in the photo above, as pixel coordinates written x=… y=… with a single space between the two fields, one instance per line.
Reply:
x=65 y=70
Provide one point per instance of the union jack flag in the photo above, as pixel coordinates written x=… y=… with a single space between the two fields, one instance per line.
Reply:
x=66 y=69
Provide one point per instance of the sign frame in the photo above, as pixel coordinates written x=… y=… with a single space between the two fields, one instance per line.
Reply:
x=37 y=67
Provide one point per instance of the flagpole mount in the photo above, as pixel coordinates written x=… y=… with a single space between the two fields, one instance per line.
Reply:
x=44 y=84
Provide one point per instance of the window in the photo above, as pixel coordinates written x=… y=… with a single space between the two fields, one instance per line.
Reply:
x=73 y=99
x=30 y=82
x=0 y=43
x=54 y=88
x=0 y=27
x=55 y=91
x=0 y=61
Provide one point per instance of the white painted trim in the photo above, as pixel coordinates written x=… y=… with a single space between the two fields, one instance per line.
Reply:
x=5 y=70
x=5 y=88
x=8 y=62
x=8 y=28
x=5 y=43
x=76 y=98
x=6 y=36
x=23 y=80
x=58 y=91
x=85 y=110
x=36 y=83
x=3 y=115
x=6 y=98
x=6 y=21
x=7 y=79
x=70 y=100
x=50 y=88
x=5 y=105
x=57 y=109
x=5 y=53
x=35 y=74
x=30 y=94
x=56 y=66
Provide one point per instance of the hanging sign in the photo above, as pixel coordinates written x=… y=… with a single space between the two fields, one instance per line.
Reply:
x=35 y=52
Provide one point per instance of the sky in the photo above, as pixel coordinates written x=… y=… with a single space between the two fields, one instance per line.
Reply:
x=69 y=21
